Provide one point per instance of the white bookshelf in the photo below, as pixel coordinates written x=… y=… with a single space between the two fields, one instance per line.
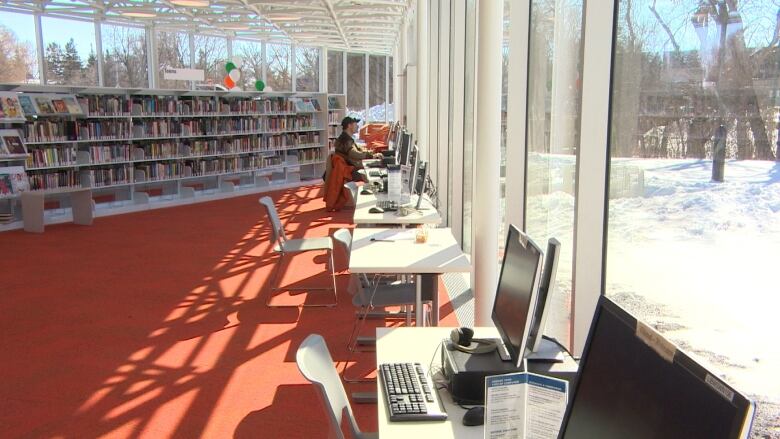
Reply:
x=168 y=152
x=337 y=110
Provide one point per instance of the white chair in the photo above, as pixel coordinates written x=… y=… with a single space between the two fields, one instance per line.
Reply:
x=370 y=294
x=283 y=246
x=353 y=188
x=316 y=365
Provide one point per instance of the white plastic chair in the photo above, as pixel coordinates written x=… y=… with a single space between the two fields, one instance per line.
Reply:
x=316 y=365
x=353 y=188
x=283 y=246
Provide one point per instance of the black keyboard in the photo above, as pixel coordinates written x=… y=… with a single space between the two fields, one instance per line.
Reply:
x=387 y=205
x=375 y=164
x=408 y=393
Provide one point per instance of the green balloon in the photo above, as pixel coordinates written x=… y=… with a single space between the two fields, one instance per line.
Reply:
x=259 y=85
x=230 y=66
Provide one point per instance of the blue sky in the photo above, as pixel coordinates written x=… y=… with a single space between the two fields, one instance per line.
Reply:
x=54 y=29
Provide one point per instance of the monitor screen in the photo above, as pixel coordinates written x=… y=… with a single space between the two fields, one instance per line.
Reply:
x=403 y=151
x=627 y=389
x=414 y=168
x=516 y=292
x=544 y=299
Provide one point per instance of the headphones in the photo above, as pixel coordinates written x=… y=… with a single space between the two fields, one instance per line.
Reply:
x=463 y=338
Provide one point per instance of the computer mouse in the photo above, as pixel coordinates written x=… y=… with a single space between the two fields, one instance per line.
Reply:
x=474 y=416
x=376 y=210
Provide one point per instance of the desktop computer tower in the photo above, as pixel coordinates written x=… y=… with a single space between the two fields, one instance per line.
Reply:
x=465 y=373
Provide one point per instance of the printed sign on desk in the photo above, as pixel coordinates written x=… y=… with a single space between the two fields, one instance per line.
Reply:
x=524 y=406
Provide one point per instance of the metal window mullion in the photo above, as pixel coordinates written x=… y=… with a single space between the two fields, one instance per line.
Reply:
x=99 y=50
x=192 y=55
x=366 y=85
x=344 y=75
x=151 y=56
x=264 y=65
x=293 y=67
x=387 y=84
x=39 y=45
x=517 y=100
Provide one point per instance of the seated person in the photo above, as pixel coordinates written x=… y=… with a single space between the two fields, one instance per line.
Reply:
x=346 y=147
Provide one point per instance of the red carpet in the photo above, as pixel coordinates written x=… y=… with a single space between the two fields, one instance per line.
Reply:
x=154 y=324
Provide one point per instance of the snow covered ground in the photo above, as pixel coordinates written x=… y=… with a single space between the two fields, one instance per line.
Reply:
x=695 y=259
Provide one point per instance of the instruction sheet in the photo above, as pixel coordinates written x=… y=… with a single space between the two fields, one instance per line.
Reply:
x=524 y=406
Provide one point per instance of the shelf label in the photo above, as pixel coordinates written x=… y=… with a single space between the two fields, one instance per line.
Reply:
x=183 y=74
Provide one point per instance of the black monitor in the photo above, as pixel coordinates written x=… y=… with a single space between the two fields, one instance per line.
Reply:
x=421 y=180
x=414 y=158
x=544 y=299
x=633 y=383
x=518 y=286
x=403 y=151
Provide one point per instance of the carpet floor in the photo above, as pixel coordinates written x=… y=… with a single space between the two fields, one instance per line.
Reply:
x=154 y=324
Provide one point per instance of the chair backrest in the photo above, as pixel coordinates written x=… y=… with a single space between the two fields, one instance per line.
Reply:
x=277 y=229
x=353 y=192
x=316 y=365
x=342 y=240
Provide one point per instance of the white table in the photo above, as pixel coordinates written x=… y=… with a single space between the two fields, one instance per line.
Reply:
x=417 y=345
x=400 y=254
x=427 y=214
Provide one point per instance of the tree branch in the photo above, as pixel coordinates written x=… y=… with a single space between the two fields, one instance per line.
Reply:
x=665 y=26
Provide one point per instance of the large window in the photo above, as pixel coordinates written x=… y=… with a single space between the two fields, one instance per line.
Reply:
x=211 y=55
x=391 y=82
x=502 y=225
x=307 y=69
x=335 y=72
x=376 y=88
x=279 y=67
x=356 y=84
x=251 y=54
x=124 y=56
x=554 y=97
x=173 y=51
x=694 y=189
x=69 y=51
x=18 y=56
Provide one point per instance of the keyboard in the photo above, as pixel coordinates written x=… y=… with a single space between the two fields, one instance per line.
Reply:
x=374 y=164
x=387 y=205
x=408 y=393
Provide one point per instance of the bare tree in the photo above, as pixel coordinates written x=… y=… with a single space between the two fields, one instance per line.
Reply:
x=125 y=56
x=18 y=62
x=173 y=51
x=279 y=66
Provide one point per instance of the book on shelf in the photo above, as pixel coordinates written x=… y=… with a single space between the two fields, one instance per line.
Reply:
x=27 y=104
x=333 y=103
x=13 y=180
x=73 y=106
x=10 y=108
x=11 y=144
x=43 y=105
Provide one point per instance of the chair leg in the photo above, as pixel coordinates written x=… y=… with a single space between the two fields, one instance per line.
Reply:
x=275 y=285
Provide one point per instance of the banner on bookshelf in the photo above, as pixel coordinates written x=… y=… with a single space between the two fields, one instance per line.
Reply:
x=183 y=74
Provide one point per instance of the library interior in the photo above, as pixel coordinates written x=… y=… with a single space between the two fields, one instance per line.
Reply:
x=390 y=218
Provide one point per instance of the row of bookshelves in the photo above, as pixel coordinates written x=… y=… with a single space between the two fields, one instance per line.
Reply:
x=22 y=105
x=57 y=131
x=70 y=156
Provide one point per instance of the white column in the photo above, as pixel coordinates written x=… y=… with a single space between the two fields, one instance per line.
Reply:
x=40 y=49
x=99 y=53
x=487 y=156
x=422 y=78
x=516 y=111
x=564 y=82
x=592 y=170
x=400 y=73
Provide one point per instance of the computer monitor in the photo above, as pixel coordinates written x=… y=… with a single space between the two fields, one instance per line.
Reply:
x=544 y=298
x=403 y=151
x=518 y=285
x=414 y=159
x=633 y=383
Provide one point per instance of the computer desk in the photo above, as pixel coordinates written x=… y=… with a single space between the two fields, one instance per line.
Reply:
x=440 y=254
x=418 y=345
x=428 y=214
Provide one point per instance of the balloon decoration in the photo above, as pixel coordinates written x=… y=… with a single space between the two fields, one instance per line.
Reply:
x=232 y=67
x=259 y=85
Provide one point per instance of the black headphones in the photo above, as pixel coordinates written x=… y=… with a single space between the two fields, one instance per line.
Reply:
x=462 y=339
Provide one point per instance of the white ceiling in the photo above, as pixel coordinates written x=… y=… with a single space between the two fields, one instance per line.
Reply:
x=362 y=25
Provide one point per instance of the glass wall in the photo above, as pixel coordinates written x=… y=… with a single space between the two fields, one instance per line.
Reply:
x=554 y=108
x=335 y=72
x=694 y=189
x=502 y=224
x=18 y=54
x=356 y=84
x=173 y=51
x=210 y=55
x=307 y=69
x=376 y=88
x=251 y=54
x=124 y=56
x=391 y=81
x=279 y=72
x=69 y=51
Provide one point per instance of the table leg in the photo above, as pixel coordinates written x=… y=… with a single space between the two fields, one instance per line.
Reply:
x=418 y=308
x=435 y=303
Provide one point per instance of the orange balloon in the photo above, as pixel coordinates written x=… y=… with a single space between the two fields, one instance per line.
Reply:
x=229 y=83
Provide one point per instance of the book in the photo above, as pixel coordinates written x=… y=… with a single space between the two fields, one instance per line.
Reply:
x=27 y=105
x=59 y=106
x=11 y=144
x=73 y=105
x=15 y=178
x=10 y=108
x=333 y=103
x=43 y=105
